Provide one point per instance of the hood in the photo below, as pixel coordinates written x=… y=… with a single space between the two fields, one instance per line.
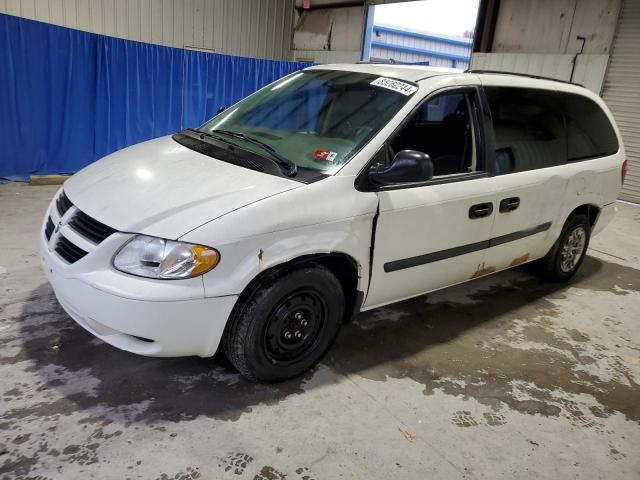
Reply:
x=163 y=189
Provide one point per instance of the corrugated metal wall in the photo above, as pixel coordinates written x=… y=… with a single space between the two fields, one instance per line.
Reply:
x=622 y=91
x=253 y=28
x=391 y=38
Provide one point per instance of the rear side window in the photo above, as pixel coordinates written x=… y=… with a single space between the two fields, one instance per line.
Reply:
x=589 y=131
x=528 y=128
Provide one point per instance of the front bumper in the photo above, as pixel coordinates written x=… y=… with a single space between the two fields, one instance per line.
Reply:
x=157 y=318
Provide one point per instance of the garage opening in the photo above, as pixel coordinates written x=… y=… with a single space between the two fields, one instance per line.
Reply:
x=426 y=32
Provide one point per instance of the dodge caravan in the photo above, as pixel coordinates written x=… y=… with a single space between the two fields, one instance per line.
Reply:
x=334 y=190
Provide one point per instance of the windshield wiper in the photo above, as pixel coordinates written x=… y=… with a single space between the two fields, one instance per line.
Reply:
x=292 y=168
x=210 y=135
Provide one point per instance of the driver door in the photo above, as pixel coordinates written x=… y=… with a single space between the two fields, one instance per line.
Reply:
x=433 y=234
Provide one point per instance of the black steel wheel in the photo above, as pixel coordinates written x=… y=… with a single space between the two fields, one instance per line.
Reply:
x=294 y=326
x=284 y=327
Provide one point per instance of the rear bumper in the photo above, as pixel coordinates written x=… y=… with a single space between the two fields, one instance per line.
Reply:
x=153 y=320
x=607 y=213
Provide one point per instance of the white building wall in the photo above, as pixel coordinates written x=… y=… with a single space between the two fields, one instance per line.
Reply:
x=589 y=70
x=327 y=56
x=330 y=35
x=253 y=28
x=553 y=26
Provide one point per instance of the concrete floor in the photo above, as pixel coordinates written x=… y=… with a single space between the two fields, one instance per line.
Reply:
x=506 y=377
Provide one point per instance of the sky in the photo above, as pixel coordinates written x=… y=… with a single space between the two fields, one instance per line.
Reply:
x=447 y=17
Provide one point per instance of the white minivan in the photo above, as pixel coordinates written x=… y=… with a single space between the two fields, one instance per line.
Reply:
x=337 y=189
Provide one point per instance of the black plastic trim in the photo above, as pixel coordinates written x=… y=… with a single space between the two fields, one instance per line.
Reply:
x=63 y=204
x=510 y=237
x=357 y=305
x=50 y=227
x=435 y=256
x=462 y=250
x=481 y=210
x=67 y=250
x=90 y=228
x=240 y=156
x=461 y=177
x=509 y=204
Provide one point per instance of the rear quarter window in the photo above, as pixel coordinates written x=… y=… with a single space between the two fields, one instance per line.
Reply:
x=589 y=131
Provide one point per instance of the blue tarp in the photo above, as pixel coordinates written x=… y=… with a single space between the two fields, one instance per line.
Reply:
x=68 y=98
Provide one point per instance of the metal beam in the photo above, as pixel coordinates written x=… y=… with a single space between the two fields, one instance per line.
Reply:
x=368 y=30
x=322 y=4
x=486 y=25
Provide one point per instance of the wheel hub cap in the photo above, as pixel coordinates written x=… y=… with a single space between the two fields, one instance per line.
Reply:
x=572 y=249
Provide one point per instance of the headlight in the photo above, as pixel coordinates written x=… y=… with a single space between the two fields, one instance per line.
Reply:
x=164 y=259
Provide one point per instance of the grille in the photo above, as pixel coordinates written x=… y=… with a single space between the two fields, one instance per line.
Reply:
x=82 y=224
x=67 y=250
x=90 y=228
x=48 y=230
x=63 y=204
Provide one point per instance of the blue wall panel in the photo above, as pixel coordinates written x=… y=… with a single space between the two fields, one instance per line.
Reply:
x=68 y=98
x=212 y=81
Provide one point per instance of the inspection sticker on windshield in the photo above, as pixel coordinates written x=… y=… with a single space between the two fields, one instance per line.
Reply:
x=395 y=85
x=323 y=154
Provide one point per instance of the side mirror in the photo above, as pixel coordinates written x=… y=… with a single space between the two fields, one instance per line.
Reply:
x=407 y=166
x=221 y=109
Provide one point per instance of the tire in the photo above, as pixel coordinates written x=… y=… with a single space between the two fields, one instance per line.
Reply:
x=286 y=325
x=567 y=254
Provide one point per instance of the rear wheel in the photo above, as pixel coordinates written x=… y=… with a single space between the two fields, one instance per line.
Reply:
x=566 y=255
x=287 y=324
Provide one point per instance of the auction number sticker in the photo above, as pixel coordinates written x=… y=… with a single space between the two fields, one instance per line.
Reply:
x=395 y=85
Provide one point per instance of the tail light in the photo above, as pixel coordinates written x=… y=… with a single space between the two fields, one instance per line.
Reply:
x=623 y=171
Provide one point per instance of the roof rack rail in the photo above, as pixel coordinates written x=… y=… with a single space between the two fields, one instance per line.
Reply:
x=518 y=74
x=378 y=62
x=391 y=61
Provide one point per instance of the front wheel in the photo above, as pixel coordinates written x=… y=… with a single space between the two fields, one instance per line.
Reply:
x=566 y=255
x=286 y=325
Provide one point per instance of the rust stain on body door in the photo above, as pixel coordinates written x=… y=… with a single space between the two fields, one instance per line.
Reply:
x=519 y=260
x=482 y=271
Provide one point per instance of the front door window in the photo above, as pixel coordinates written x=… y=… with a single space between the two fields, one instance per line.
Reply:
x=441 y=128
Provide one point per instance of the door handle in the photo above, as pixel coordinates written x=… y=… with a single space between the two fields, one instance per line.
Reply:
x=480 y=210
x=509 y=204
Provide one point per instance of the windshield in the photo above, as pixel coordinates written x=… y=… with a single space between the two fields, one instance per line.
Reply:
x=314 y=119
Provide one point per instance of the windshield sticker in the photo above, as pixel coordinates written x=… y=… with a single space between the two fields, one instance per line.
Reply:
x=324 y=154
x=395 y=85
